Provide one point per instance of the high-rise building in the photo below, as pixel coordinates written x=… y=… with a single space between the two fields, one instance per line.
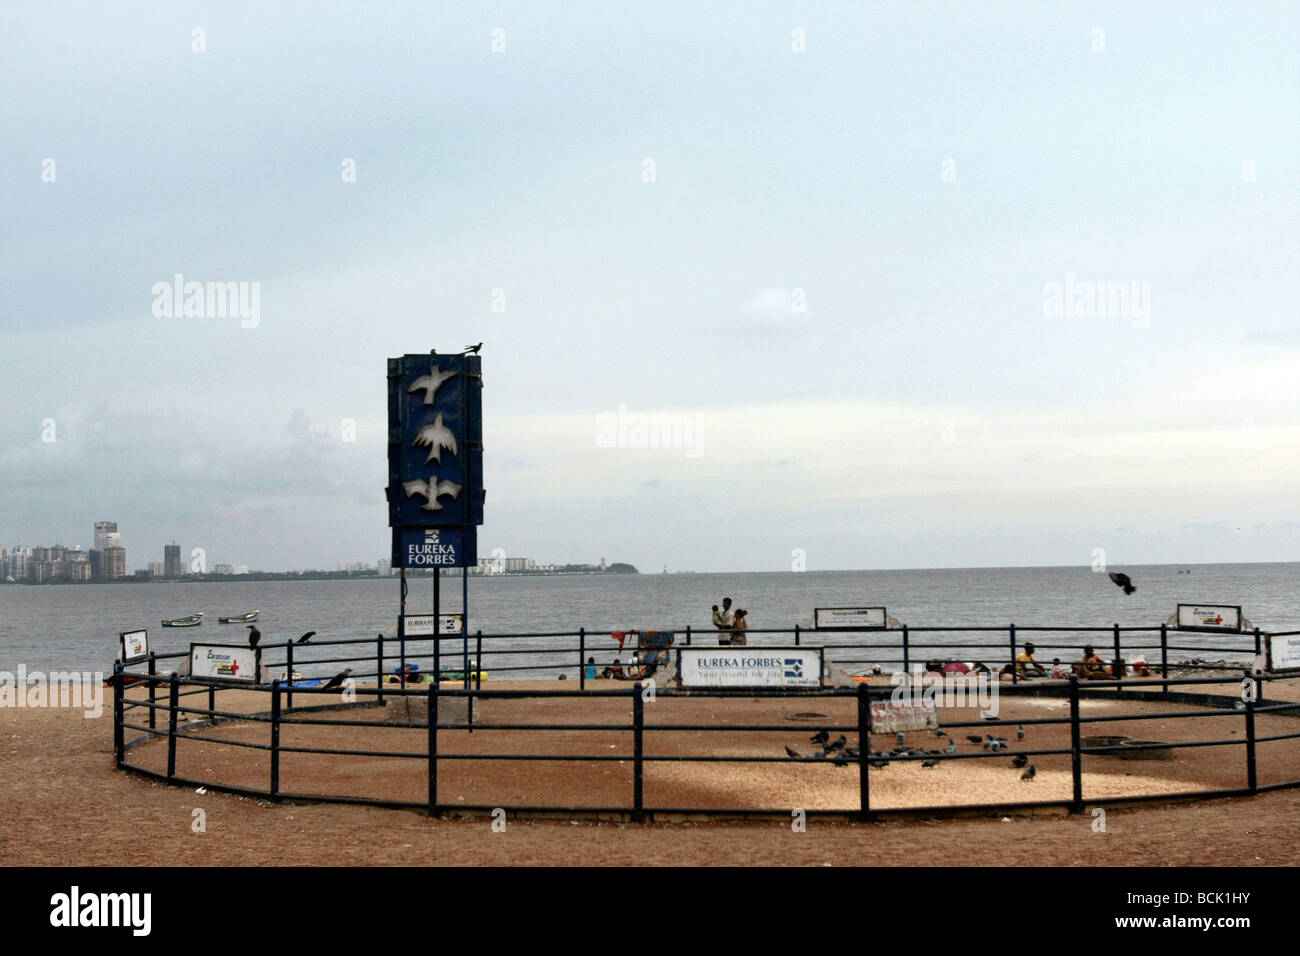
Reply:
x=114 y=563
x=156 y=569
x=102 y=530
x=172 y=560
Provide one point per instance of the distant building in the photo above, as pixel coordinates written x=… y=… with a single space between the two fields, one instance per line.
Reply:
x=223 y=569
x=384 y=567
x=102 y=530
x=78 y=571
x=155 y=569
x=172 y=561
x=113 y=563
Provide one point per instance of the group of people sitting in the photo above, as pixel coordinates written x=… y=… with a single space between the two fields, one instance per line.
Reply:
x=1089 y=667
x=731 y=625
x=636 y=670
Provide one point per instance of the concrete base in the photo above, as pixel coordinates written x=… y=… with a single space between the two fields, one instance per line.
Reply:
x=413 y=711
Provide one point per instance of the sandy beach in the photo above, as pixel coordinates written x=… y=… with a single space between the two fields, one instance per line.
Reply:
x=67 y=804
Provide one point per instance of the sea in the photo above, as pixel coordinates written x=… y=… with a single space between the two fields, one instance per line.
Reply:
x=76 y=627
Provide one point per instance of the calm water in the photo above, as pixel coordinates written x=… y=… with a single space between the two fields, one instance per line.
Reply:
x=75 y=627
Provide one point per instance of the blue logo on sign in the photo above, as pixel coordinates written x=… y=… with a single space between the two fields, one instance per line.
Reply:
x=793 y=667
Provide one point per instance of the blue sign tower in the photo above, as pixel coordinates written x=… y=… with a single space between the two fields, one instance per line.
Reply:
x=435 y=471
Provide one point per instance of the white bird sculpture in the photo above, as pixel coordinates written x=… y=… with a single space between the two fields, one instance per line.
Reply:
x=430 y=383
x=431 y=491
x=437 y=437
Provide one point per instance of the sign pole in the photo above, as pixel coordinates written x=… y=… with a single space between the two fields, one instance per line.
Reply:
x=464 y=622
x=437 y=624
x=401 y=636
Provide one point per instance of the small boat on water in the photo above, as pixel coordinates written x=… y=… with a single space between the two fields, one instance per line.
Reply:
x=191 y=620
x=248 y=617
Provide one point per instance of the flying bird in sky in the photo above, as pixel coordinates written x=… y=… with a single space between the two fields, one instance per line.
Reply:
x=438 y=438
x=254 y=635
x=1123 y=580
x=431 y=492
x=430 y=384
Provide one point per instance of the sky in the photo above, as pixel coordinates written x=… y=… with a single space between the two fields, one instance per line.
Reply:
x=901 y=285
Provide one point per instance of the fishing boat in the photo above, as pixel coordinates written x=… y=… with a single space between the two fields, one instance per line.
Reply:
x=190 y=620
x=248 y=617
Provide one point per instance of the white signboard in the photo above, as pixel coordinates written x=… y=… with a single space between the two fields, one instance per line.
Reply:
x=749 y=666
x=232 y=662
x=135 y=646
x=1209 y=617
x=848 y=618
x=421 y=625
x=1284 y=652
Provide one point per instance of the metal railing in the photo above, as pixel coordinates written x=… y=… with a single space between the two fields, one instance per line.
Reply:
x=165 y=692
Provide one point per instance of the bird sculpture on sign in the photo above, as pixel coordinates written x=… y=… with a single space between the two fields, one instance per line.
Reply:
x=431 y=492
x=437 y=438
x=430 y=384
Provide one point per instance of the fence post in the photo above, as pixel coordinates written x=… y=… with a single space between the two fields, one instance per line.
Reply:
x=119 y=736
x=275 y=739
x=153 y=693
x=1115 y=656
x=433 y=749
x=212 y=705
x=907 y=654
x=379 y=666
x=796 y=635
x=638 y=741
x=1076 y=751
x=864 y=754
x=1015 y=671
x=1252 y=779
x=1258 y=645
x=688 y=635
x=289 y=652
x=1164 y=658
x=478 y=660
x=582 y=658
x=173 y=701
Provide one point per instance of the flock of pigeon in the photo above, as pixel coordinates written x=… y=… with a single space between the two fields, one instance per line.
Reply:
x=839 y=753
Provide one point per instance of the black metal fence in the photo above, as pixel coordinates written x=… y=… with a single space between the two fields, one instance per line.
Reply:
x=169 y=697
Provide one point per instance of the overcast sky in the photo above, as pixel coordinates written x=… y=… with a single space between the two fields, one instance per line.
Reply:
x=821 y=237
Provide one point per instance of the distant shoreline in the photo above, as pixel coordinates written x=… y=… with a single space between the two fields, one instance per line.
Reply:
x=311 y=576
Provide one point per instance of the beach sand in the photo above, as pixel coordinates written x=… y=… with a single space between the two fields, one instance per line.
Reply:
x=65 y=803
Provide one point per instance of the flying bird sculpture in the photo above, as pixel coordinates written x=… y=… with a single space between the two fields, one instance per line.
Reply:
x=438 y=438
x=1122 y=580
x=431 y=492
x=430 y=384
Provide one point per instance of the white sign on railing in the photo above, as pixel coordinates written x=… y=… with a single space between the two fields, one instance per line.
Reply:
x=135 y=646
x=848 y=618
x=227 y=662
x=421 y=625
x=749 y=666
x=1209 y=617
x=1284 y=652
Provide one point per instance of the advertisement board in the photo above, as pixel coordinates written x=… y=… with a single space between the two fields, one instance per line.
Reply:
x=1283 y=652
x=135 y=645
x=237 y=663
x=1209 y=617
x=421 y=625
x=435 y=547
x=735 y=667
x=849 y=618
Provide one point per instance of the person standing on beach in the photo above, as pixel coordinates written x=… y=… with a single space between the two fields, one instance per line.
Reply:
x=728 y=619
x=741 y=626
